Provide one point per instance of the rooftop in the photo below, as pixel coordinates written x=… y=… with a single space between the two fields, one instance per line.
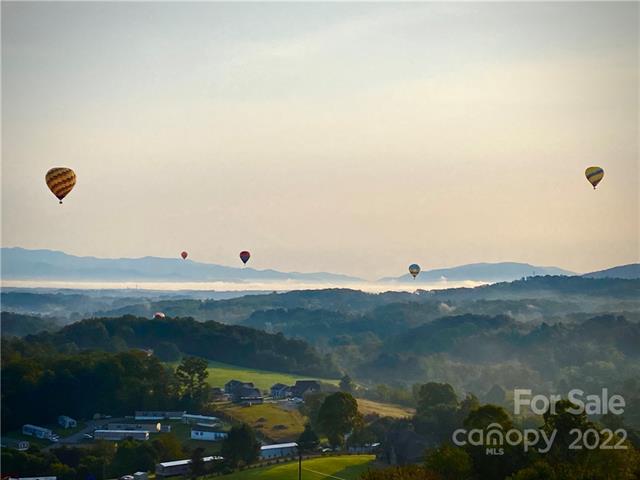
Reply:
x=175 y=463
x=279 y=445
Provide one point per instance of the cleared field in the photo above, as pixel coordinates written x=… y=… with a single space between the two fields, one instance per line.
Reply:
x=270 y=420
x=348 y=467
x=384 y=409
x=221 y=373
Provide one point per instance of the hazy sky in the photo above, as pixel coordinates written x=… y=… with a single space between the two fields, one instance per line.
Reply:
x=355 y=138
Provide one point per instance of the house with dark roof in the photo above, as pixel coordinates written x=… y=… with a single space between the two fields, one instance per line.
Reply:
x=302 y=387
x=280 y=390
x=247 y=396
x=232 y=385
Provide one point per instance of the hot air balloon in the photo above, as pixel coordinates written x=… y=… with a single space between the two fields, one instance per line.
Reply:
x=60 y=181
x=594 y=175
x=184 y=255
x=245 y=256
x=414 y=269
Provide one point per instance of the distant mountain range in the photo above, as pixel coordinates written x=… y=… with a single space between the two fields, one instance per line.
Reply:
x=40 y=265
x=23 y=264
x=480 y=272
x=630 y=272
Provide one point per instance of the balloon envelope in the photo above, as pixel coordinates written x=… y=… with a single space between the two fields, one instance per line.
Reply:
x=414 y=269
x=184 y=255
x=245 y=256
x=60 y=181
x=594 y=175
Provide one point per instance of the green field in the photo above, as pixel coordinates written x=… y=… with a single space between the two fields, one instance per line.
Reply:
x=221 y=373
x=269 y=419
x=347 y=467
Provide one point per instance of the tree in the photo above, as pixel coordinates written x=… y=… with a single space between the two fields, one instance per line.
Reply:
x=197 y=466
x=311 y=407
x=346 y=384
x=433 y=394
x=133 y=456
x=308 y=439
x=168 y=447
x=493 y=418
x=167 y=352
x=338 y=416
x=450 y=463
x=192 y=380
x=437 y=412
x=240 y=446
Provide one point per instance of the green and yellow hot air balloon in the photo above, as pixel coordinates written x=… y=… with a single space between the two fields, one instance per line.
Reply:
x=594 y=175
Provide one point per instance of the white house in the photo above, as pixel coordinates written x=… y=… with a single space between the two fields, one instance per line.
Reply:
x=67 y=422
x=155 y=415
x=179 y=467
x=191 y=418
x=210 y=433
x=279 y=450
x=116 y=435
x=39 y=432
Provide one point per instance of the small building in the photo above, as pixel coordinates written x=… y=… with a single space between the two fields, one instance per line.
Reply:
x=366 y=448
x=217 y=394
x=179 y=467
x=207 y=432
x=232 y=386
x=280 y=390
x=116 y=435
x=20 y=445
x=248 y=396
x=144 y=427
x=303 y=387
x=190 y=418
x=32 y=478
x=279 y=450
x=67 y=422
x=145 y=415
x=38 y=432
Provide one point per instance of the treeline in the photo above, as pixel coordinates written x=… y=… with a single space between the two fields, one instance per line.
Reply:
x=100 y=460
x=40 y=384
x=19 y=325
x=237 y=345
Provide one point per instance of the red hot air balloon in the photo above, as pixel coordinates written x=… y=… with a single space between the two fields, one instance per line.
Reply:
x=184 y=255
x=245 y=256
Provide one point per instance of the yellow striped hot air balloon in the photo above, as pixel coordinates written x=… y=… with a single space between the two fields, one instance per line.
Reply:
x=594 y=175
x=60 y=181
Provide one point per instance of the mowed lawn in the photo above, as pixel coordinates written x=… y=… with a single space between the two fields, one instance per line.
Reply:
x=221 y=373
x=276 y=423
x=347 y=467
x=384 y=409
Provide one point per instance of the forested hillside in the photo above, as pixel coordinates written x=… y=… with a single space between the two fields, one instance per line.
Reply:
x=211 y=340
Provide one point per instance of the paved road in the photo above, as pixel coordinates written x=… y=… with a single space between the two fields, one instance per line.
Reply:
x=79 y=436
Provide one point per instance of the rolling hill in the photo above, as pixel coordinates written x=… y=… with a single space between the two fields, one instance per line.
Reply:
x=481 y=272
x=23 y=264
x=629 y=272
